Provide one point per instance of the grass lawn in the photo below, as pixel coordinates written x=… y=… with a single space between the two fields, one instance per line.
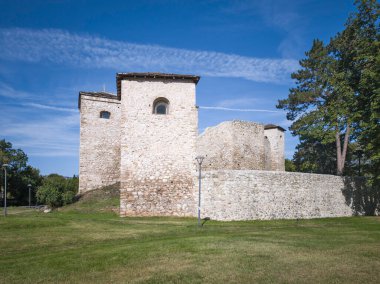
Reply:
x=82 y=244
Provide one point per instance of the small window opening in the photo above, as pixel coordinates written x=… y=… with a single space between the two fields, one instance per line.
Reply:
x=161 y=106
x=105 y=114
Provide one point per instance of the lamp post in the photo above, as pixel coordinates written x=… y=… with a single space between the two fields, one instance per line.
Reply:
x=29 y=187
x=199 y=160
x=5 y=188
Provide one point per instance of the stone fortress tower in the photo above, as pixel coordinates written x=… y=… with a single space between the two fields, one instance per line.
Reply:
x=146 y=139
x=159 y=129
x=241 y=145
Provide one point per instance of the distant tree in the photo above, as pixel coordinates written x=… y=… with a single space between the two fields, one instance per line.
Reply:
x=50 y=195
x=320 y=104
x=57 y=190
x=290 y=166
x=336 y=97
x=363 y=31
x=311 y=156
x=72 y=184
x=16 y=158
x=19 y=174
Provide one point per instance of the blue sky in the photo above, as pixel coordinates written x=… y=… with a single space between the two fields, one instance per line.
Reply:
x=243 y=50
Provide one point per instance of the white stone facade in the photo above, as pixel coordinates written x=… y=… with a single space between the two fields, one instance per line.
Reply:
x=152 y=157
x=99 y=152
x=264 y=195
x=242 y=145
x=157 y=151
x=274 y=141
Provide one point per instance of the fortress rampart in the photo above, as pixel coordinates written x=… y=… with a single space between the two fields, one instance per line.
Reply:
x=146 y=139
x=264 y=195
x=242 y=145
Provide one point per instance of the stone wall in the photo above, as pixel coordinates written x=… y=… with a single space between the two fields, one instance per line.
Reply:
x=158 y=151
x=274 y=146
x=99 y=158
x=233 y=145
x=251 y=195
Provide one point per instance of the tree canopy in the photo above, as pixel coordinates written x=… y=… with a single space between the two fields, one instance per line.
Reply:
x=336 y=97
x=19 y=174
x=53 y=190
x=57 y=190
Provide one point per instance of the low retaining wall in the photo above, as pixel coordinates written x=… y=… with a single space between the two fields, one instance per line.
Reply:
x=250 y=195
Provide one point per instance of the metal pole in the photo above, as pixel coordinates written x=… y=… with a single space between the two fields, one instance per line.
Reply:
x=29 y=196
x=199 y=195
x=199 y=160
x=5 y=193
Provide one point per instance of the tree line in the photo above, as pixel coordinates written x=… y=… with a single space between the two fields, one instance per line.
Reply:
x=334 y=105
x=53 y=190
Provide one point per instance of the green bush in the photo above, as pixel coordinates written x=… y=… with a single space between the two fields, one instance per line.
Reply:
x=57 y=190
x=49 y=195
x=68 y=197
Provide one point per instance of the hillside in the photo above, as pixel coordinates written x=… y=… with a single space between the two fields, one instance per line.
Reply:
x=105 y=199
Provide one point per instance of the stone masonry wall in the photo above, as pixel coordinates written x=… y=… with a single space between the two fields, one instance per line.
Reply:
x=99 y=162
x=250 y=195
x=158 y=151
x=268 y=154
x=233 y=145
x=275 y=144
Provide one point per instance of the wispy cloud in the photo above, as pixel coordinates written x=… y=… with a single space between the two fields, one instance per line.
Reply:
x=237 y=102
x=58 y=136
x=282 y=15
x=239 y=109
x=61 y=47
x=55 y=108
x=9 y=92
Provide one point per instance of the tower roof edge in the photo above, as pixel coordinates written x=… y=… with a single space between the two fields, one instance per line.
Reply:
x=273 y=126
x=153 y=75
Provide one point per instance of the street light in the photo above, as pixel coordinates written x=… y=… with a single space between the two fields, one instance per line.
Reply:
x=359 y=153
x=199 y=160
x=29 y=187
x=5 y=188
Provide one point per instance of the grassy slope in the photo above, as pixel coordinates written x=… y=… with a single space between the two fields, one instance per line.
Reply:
x=105 y=199
x=85 y=244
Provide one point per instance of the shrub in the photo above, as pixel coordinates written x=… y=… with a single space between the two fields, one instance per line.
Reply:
x=68 y=197
x=49 y=195
x=57 y=190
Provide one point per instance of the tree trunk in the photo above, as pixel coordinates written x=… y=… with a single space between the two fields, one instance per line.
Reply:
x=341 y=153
x=339 y=170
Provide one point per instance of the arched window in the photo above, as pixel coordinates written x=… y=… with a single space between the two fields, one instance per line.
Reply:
x=105 y=114
x=161 y=106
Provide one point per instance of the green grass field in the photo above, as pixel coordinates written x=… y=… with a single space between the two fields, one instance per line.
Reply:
x=84 y=243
